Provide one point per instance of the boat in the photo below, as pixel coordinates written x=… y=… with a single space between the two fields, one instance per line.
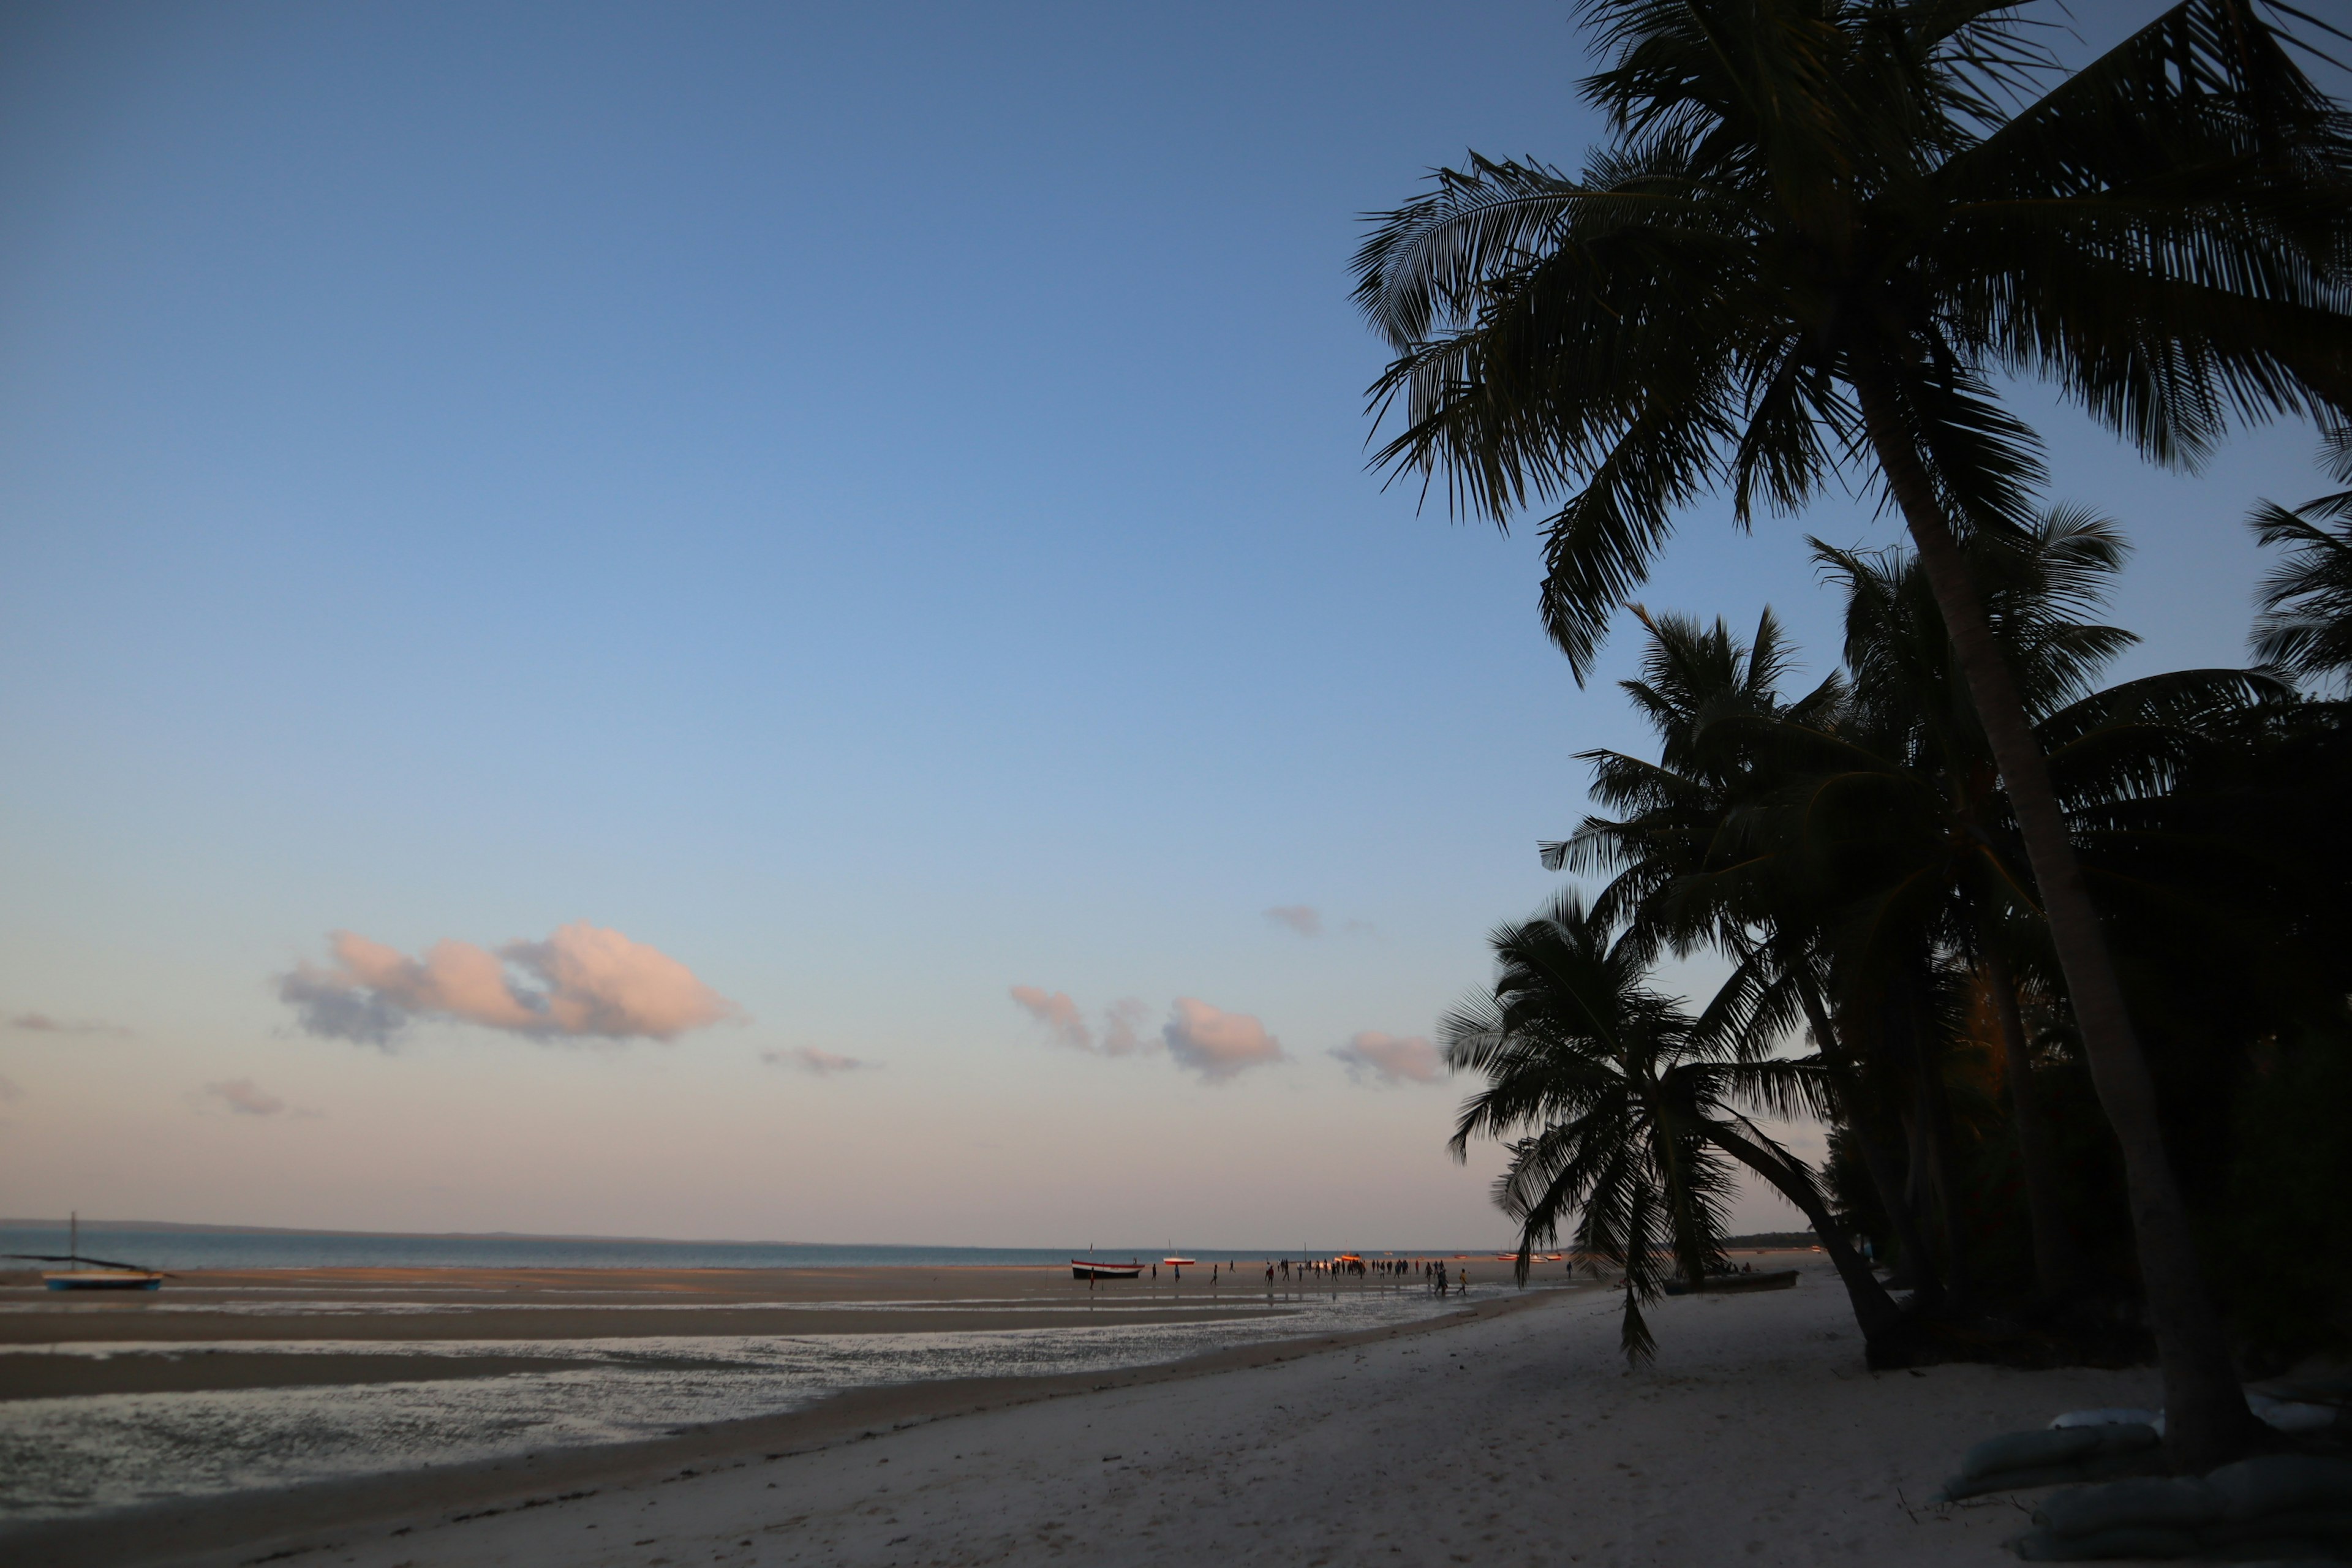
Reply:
x=1181 y=1262
x=124 y=1278
x=1087 y=1268
x=89 y=1273
x=1733 y=1284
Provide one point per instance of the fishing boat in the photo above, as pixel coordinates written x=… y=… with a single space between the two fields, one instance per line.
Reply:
x=1181 y=1262
x=1087 y=1268
x=1733 y=1284
x=127 y=1278
x=90 y=1273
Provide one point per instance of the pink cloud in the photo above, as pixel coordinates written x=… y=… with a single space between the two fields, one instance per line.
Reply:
x=1216 y=1044
x=1067 y=1021
x=823 y=1064
x=243 y=1097
x=1391 y=1058
x=582 y=982
x=1060 y=1016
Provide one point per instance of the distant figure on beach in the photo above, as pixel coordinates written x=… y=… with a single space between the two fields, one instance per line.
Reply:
x=1155 y=1272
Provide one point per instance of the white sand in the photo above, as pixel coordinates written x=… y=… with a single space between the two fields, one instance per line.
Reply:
x=1758 y=1437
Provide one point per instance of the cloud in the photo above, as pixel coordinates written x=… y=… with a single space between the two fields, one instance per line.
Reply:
x=583 y=983
x=823 y=1064
x=42 y=1023
x=1067 y=1021
x=1058 y=1014
x=1122 y=1022
x=1391 y=1058
x=1216 y=1044
x=243 y=1097
x=1304 y=919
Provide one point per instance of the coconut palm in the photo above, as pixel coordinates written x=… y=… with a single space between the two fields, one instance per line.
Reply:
x=1819 y=232
x=1853 y=847
x=1678 y=827
x=2306 y=625
x=1622 y=1120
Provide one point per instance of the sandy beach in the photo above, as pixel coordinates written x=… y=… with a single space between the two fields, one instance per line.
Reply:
x=1511 y=1434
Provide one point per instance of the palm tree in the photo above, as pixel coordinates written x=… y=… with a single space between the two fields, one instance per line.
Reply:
x=1821 y=230
x=2306 y=625
x=1683 y=877
x=1620 y=1114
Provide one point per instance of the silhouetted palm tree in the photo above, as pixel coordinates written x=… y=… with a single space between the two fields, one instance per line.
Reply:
x=1619 y=1115
x=2306 y=625
x=1820 y=231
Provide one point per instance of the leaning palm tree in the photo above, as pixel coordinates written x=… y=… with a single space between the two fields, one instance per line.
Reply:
x=1623 y=1119
x=1819 y=233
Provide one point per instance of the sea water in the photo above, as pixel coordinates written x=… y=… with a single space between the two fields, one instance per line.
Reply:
x=302 y=1249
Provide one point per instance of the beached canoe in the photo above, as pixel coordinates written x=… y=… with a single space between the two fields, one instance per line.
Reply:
x=1082 y=1268
x=1735 y=1284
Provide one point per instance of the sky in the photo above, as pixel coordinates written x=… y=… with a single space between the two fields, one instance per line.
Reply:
x=770 y=621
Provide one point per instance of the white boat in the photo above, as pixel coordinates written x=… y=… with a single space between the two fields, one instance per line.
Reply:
x=1087 y=1268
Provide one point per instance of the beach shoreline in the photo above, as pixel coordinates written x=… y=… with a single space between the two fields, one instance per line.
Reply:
x=234 y=1526
x=1506 y=1431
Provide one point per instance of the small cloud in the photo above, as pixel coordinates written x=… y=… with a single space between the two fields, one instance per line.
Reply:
x=1216 y=1044
x=1058 y=1014
x=823 y=1064
x=42 y=1023
x=1067 y=1021
x=1391 y=1058
x=243 y=1097
x=583 y=983
x=1304 y=919
x=1122 y=1025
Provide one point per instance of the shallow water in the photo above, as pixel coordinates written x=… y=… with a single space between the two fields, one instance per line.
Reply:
x=67 y=1457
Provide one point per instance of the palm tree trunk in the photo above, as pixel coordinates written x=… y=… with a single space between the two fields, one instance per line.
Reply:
x=1926 y=1289
x=1929 y=1181
x=2207 y=1422
x=2054 y=1250
x=1873 y=1309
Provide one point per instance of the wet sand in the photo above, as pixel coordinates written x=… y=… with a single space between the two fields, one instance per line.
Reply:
x=1512 y=1434
x=416 y=1307
x=420 y=1304
x=240 y=1528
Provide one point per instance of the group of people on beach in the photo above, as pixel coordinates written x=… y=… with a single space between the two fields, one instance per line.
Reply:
x=1433 y=1272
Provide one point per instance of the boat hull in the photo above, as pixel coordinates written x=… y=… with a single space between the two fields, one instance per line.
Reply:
x=103 y=1280
x=1736 y=1284
x=1079 y=1270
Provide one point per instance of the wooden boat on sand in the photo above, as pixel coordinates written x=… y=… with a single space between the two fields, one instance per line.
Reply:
x=89 y=1273
x=1737 y=1284
x=124 y=1278
x=1087 y=1268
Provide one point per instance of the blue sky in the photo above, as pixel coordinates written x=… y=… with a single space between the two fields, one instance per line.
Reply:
x=867 y=502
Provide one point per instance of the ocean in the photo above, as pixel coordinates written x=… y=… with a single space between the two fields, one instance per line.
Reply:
x=175 y=1248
